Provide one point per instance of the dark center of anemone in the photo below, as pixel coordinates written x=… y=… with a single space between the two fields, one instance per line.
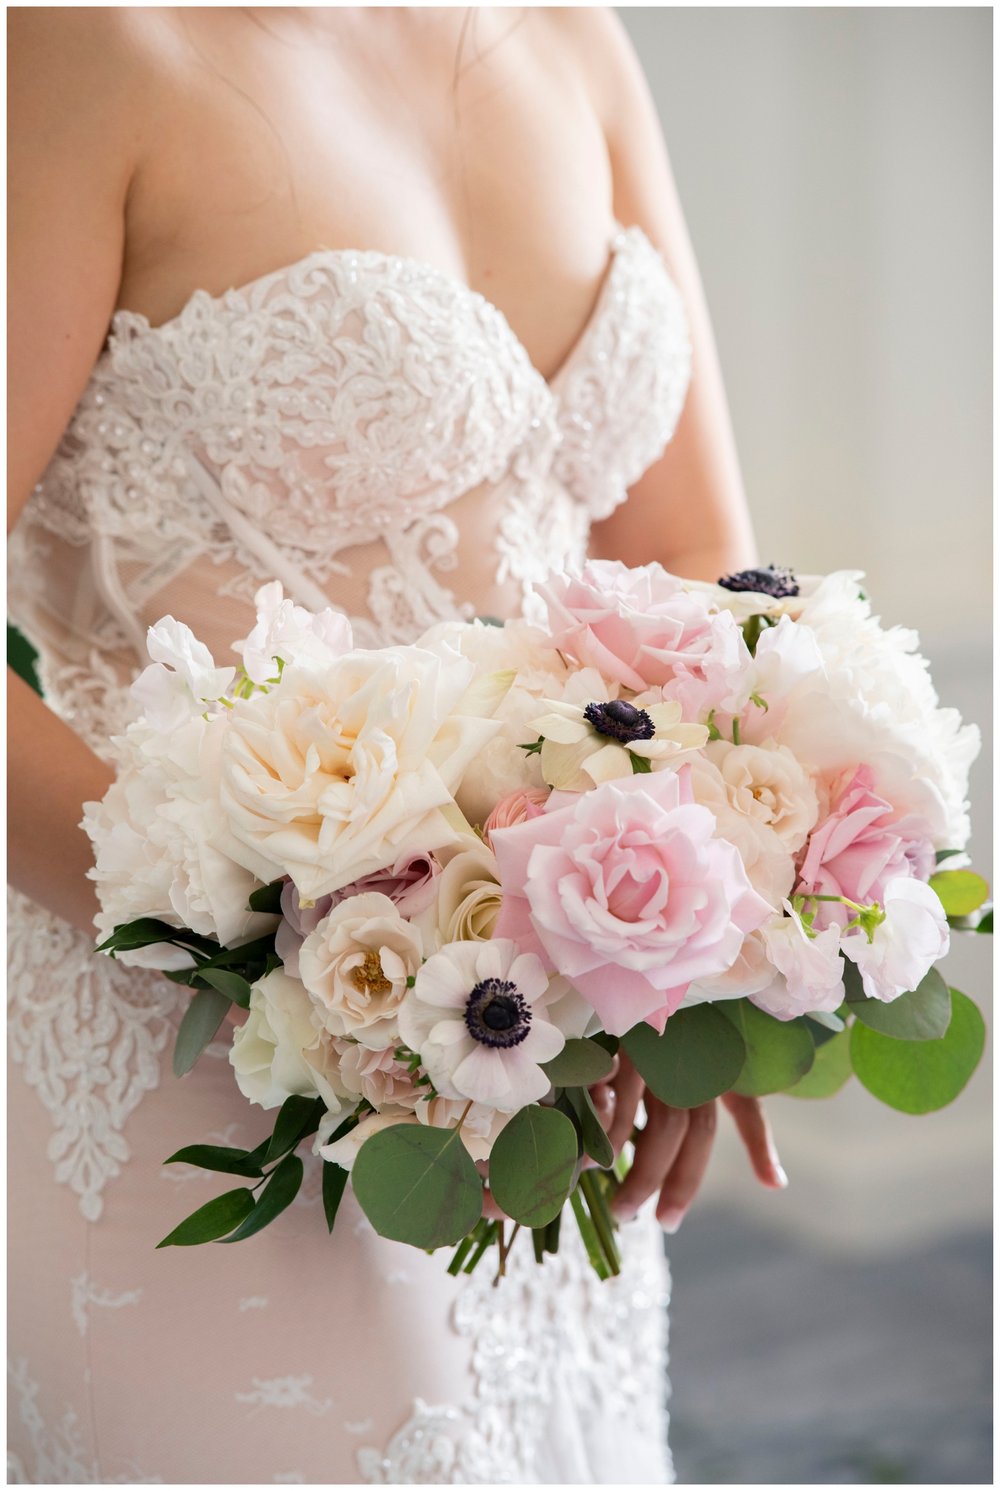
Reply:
x=497 y=1014
x=771 y=580
x=621 y=720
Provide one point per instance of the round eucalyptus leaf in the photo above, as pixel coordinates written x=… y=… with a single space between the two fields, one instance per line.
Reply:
x=418 y=1185
x=778 y=1052
x=829 y=1071
x=960 y=891
x=580 y=1063
x=532 y=1165
x=699 y=1055
x=920 y=1076
x=921 y=1015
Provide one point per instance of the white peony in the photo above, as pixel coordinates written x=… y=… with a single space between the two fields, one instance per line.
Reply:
x=905 y=946
x=291 y=633
x=810 y=967
x=278 y=1051
x=355 y=965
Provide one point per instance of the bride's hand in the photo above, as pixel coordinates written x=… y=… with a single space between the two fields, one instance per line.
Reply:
x=671 y=1152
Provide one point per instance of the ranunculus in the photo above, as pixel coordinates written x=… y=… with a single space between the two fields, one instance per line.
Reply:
x=355 y=965
x=291 y=633
x=767 y=783
x=279 y=1052
x=859 y=849
x=516 y=807
x=811 y=968
x=627 y=893
x=632 y=625
x=905 y=946
x=476 y=1014
x=466 y=903
x=335 y=774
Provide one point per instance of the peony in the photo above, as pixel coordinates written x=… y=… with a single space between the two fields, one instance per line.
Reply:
x=811 y=968
x=476 y=1014
x=467 y=900
x=859 y=848
x=355 y=965
x=766 y=782
x=626 y=891
x=332 y=775
x=905 y=946
x=597 y=743
x=278 y=1050
x=290 y=633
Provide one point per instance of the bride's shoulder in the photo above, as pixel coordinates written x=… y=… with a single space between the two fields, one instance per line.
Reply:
x=596 y=42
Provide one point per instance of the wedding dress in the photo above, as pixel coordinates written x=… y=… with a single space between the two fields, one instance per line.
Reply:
x=371 y=432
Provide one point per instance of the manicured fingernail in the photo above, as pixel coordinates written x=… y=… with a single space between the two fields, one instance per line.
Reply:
x=779 y=1174
x=672 y=1218
x=623 y=1211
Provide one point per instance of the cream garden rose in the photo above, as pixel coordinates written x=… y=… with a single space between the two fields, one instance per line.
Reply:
x=355 y=965
x=279 y=1051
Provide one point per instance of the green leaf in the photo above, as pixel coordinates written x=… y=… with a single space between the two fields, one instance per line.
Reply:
x=943 y=854
x=202 y=1019
x=532 y=1165
x=640 y=764
x=829 y=1071
x=232 y=985
x=920 y=1076
x=610 y=1043
x=922 y=1015
x=580 y=1063
x=698 y=1056
x=299 y=1117
x=142 y=932
x=960 y=891
x=418 y=1185
x=854 y=989
x=215 y=1157
x=281 y=1189
x=268 y=897
x=595 y=1140
x=778 y=1052
x=211 y=1220
x=986 y=922
x=334 y=1183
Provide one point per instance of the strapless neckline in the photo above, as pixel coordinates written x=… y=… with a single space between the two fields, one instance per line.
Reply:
x=133 y=322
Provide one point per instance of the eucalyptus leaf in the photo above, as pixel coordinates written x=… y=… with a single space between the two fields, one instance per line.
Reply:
x=920 y=1076
x=778 y=1052
x=268 y=897
x=943 y=854
x=299 y=1116
x=232 y=985
x=334 y=1184
x=922 y=1015
x=699 y=1055
x=532 y=1165
x=610 y=1043
x=212 y=1220
x=216 y=1157
x=281 y=1189
x=829 y=1071
x=960 y=891
x=418 y=1185
x=580 y=1063
x=819 y=1033
x=202 y=1019
x=595 y=1140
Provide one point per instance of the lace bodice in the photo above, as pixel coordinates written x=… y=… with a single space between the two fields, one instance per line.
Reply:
x=363 y=427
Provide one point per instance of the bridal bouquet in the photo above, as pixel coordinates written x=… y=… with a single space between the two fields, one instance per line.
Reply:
x=716 y=827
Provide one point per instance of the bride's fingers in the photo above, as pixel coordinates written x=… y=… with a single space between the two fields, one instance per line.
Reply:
x=755 y=1131
x=490 y=1208
x=656 y=1149
x=689 y=1168
x=628 y=1088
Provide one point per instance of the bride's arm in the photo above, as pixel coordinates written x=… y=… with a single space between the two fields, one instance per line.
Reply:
x=71 y=142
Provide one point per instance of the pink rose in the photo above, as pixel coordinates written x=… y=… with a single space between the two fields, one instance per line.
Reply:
x=516 y=807
x=859 y=848
x=409 y=883
x=632 y=625
x=625 y=891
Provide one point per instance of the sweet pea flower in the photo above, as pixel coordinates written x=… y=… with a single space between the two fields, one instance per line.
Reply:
x=291 y=633
x=904 y=946
x=181 y=678
x=626 y=891
x=811 y=968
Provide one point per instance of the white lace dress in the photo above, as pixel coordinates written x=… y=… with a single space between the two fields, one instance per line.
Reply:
x=371 y=432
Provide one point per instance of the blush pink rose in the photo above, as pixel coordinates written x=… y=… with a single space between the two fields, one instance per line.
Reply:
x=859 y=849
x=632 y=625
x=516 y=807
x=626 y=892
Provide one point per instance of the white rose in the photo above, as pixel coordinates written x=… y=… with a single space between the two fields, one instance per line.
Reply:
x=289 y=632
x=811 y=968
x=467 y=900
x=905 y=946
x=334 y=774
x=355 y=965
x=766 y=782
x=278 y=1051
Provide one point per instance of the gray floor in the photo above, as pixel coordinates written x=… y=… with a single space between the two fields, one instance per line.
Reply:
x=791 y=1367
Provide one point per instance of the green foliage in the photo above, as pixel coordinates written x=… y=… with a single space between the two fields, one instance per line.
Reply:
x=922 y=1015
x=640 y=764
x=214 y=1157
x=22 y=656
x=334 y=1184
x=580 y=1063
x=297 y=1118
x=418 y=1185
x=592 y=1132
x=699 y=1055
x=213 y=1220
x=986 y=922
x=233 y=985
x=202 y=1019
x=831 y=1068
x=268 y=897
x=961 y=892
x=532 y=1165
x=281 y=1189
x=778 y=1052
x=920 y=1076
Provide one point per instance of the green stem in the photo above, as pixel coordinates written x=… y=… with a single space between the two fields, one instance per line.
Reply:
x=488 y=1236
x=538 y=1243
x=552 y=1234
x=597 y=1205
x=462 y=1252
x=589 y=1235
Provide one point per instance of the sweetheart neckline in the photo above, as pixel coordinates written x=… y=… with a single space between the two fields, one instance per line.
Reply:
x=617 y=238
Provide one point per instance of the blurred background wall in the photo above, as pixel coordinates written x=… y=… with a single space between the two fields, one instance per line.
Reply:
x=835 y=170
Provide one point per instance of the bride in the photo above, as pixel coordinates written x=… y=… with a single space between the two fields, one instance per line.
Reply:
x=398 y=307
